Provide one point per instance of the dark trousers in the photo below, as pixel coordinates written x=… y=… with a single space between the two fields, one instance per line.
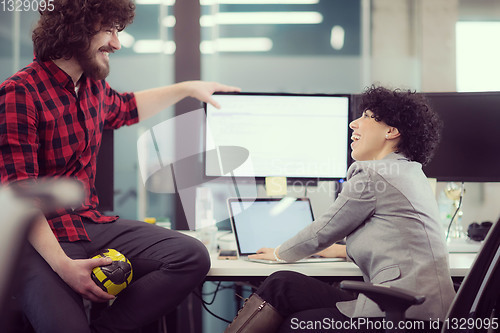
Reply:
x=309 y=305
x=167 y=266
x=300 y=299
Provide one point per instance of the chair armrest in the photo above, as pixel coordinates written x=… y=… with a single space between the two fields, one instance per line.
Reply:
x=393 y=301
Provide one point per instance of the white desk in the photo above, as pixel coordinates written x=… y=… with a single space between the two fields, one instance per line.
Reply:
x=237 y=270
x=460 y=264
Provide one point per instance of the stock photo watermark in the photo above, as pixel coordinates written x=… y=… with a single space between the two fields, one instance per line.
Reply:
x=375 y=324
x=26 y=5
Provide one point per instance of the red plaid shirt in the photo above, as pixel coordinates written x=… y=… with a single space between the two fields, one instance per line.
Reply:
x=46 y=129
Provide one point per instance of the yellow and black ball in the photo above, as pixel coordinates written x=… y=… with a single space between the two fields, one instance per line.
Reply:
x=115 y=277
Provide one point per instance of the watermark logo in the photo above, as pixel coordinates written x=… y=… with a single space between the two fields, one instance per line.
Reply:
x=180 y=165
x=26 y=5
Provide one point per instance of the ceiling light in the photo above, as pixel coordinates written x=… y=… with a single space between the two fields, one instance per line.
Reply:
x=236 y=45
x=154 y=46
x=155 y=2
x=337 y=37
x=258 y=2
x=168 y=21
x=261 y=18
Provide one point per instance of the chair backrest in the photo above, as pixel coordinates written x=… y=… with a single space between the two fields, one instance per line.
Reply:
x=479 y=294
x=17 y=211
x=15 y=217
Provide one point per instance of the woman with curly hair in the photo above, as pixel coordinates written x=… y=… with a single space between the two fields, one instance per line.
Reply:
x=52 y=116
x=388 y=214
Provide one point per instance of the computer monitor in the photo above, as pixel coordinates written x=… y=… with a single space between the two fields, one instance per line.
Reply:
x=293 y=135
x=469 y=139
x=471 y=134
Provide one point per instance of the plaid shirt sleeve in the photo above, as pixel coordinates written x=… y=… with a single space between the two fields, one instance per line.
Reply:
x=18 y=134
x=122 y=108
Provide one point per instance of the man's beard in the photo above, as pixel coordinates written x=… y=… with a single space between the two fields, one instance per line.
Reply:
x=91 y=67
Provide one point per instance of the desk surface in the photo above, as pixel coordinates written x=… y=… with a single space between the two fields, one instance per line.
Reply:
x=460 y=264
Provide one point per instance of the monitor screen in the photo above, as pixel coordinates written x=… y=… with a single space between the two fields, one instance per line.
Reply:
x=267 y=222
x=290 y=135
x=469 y=144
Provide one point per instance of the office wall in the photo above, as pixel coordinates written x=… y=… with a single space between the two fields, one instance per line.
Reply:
x=298 y=74
x=414 y=47
x=410 y=44
x=135 y=73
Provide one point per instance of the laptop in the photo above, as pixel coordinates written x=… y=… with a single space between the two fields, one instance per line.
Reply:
x=268 y=222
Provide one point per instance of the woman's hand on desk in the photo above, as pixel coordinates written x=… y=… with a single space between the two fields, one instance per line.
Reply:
x=263 y=253
x=333 y=251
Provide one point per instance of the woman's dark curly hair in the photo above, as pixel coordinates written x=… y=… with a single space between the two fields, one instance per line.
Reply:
x=67 y=28
x=418 y=124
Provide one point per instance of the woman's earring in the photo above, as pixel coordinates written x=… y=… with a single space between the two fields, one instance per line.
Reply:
x=387 y=136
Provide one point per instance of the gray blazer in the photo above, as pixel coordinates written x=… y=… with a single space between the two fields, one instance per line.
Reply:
x=389 y=215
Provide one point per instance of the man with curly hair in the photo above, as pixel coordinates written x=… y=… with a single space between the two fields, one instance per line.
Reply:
x=52 y=115
x=388 y=215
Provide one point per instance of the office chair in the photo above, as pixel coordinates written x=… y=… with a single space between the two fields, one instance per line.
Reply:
x=475 y=307
x=15 y=216
x=17 y=212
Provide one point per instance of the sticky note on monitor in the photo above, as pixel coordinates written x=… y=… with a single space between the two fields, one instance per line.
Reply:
x=276 y=186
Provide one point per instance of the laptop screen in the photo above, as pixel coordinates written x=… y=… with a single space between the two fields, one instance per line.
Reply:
x=267 y=222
